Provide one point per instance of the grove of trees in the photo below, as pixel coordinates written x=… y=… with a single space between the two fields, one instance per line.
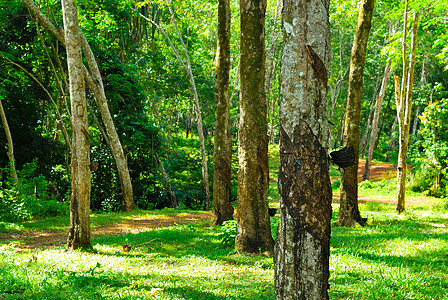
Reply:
x=113 y=105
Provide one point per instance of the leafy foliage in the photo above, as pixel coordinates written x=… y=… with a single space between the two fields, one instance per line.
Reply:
x=30 y=198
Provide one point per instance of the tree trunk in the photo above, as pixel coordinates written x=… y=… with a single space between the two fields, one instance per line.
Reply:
x=376 y=116
x=302 y=247
x=392 y=142
x=253 y=231
x=79 y=231
x=187 y=67
x=10 y=152
x=222 y=208
x=169 y=190
x=404 y=108
x=95 y=83
x=271 y=68
x=369 y=117
x=349 y=212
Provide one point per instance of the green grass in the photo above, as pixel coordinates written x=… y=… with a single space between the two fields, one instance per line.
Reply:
x=394 y=257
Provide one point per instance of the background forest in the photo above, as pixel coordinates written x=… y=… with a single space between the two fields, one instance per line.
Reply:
x=152 y=105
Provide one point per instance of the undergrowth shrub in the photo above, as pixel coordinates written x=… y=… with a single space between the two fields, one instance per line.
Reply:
x=228 y=233
x=29 y=198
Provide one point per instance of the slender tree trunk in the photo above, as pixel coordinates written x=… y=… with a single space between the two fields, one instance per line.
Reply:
x=369 y=117
x=404 y=108
x=79 y=231
x=95 y=83
x=187 y=67
x=222 y=208
x=376 y=116
x=349 y=212
x=169 y=190
x=392 y=142
x=10 y=152
x=302 y=247
x=271 y=71
x=253 y=231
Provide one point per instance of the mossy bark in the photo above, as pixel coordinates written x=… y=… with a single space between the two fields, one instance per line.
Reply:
x=79 y=231
x=254 y=231
x=222 y=208
x=349 y=212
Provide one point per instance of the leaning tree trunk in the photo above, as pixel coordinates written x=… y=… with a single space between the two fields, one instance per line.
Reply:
x=222 y=208
x=404 y=108
x=10 y=152
x=79 y=231
x=302 y=247
x=349 y=212
x=95 y=83
x=253 y=231
x=376 y=116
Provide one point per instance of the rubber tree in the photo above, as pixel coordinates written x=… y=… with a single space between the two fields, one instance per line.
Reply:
x=302 y=246
x=79 y=231
x=222 y=208
x=403 y=97
x=349 y=212
x=94 y=81
x=253 y=230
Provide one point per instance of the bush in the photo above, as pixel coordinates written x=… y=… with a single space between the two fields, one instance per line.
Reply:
x=29 y=198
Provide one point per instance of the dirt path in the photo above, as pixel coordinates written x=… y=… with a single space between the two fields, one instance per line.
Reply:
x=33 y=239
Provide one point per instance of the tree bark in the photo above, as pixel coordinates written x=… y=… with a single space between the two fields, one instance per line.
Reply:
x=376 y=116
x=302 y=247
x=222 y=208
x=79 y=231
x=253 y=231
x=349 y=212
x=10 y=152
x=404 y=108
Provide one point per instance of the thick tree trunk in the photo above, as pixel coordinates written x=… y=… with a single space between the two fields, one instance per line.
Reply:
x=348 y=212
x=254 y=231
x=79 y=231
x=404 y=108
x=10 y=152
x=376 y=116
x=302 y=247
x=222 y=208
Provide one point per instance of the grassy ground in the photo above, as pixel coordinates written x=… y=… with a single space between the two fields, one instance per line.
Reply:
x=393 y=257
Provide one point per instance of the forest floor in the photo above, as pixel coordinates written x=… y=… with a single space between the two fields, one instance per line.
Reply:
x=32 y=238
